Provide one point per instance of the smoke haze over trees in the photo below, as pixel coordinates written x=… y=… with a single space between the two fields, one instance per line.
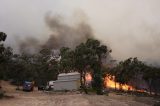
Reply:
x=130 y=28
x=65 y=34
x=62 y=35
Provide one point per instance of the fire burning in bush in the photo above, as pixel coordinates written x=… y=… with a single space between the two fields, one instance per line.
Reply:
x=110 y=83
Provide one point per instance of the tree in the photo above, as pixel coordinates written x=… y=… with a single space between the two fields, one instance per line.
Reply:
x=127 y=70
x=42 y=62
x=152 y=76
x=98 y=51
x=5 y=56
x=81 y=62
x=67 y=60
x=88 y=56
x=2 y=48
x=3 y=36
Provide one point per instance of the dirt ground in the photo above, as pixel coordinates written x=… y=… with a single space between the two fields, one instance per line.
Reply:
x=40 y=98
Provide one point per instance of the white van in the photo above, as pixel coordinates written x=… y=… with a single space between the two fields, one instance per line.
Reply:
x=50 y=85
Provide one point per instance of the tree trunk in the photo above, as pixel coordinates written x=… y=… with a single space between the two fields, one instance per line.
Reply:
x=81 y=78
x=150 y=90
x=150 y=86
x=0 y=84
x=84 y=85
x=115 y=86
x=155 y=92
x=120 y=87
x=82 y=81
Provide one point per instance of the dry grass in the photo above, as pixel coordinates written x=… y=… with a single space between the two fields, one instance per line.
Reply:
x=39 y=98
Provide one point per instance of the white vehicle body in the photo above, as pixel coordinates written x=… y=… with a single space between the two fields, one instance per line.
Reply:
x=67 y=81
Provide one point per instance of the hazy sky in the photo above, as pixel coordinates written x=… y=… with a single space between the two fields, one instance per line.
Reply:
x=130 y=27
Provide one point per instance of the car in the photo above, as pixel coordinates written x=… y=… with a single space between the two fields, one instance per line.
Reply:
x=28 y=86
x=50 y=86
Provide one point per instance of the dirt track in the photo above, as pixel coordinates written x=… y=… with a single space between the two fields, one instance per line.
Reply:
x=45 y=99
x=39 y=98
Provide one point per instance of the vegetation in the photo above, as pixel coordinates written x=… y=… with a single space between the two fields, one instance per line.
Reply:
x=3 y=58
x=85 y=57
x=131 y=69
x=20 y=67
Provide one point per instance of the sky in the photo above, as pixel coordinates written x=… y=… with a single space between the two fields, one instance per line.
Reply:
x=131 y=28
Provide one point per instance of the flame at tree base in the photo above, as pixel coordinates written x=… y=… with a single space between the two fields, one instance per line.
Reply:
x=110 y=83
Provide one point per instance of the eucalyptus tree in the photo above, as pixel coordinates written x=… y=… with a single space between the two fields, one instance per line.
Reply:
x=3 y=37
x=127 y=70
x=152 y=76
x=98 y=52
x=67 y=60
x=88 y=55
x=5 y=57
x=85 y=57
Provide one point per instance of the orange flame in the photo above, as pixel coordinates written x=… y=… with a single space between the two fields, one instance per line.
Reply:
x=110 y=83
x=88 y=77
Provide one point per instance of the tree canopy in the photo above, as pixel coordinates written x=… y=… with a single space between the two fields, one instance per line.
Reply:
x=86 y=57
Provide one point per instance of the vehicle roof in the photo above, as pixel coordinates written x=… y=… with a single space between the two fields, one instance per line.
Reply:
x=67 y=74
x=27 y=82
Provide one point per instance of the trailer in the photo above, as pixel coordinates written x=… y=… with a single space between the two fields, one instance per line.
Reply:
x=67 y=81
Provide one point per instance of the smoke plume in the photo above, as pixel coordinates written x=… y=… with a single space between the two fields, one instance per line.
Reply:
x=62 y=35
x=65 y=35
x=131 y=28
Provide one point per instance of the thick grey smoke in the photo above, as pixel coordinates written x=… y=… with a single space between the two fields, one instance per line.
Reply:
x=30 y=45
x=130 y=27
x=62 y=35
